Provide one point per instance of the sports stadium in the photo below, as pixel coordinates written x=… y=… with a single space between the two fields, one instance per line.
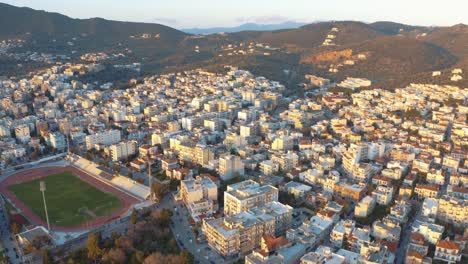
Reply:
x=79 y=195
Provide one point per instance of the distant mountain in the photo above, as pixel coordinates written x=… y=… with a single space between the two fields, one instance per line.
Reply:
x=16 y=21
x=396 y=53
x=244 y=27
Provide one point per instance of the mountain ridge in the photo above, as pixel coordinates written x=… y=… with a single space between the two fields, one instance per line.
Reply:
x=244 y=27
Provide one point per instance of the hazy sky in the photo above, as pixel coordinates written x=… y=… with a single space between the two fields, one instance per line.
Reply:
x=209 y=13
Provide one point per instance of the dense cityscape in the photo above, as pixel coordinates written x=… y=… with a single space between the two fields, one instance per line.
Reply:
x=228 y=166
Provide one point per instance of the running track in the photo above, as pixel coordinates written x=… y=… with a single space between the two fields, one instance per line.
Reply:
x=32 y=174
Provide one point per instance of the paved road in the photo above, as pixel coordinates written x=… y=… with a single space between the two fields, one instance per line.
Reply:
x=184 y=235
x=7 y=239
x=405 y=238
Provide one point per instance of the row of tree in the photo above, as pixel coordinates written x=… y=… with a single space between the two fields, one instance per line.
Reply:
x=148 y=241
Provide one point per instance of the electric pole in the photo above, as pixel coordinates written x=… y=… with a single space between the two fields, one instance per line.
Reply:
x=42 y=187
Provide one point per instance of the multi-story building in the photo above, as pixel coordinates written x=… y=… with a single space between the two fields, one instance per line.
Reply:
x=5 y=131
x=237 y=234
x=200 y=195
x=297 y=189
x=340 y=231
x=353 y=192
x=199 y=154
x=23 y=133
x=282 y=215
x=57 y=141
x=431 y=232
x=435 y=177
x=383 y=195
x=286 y=162
x=243 y=196
x=283 y=143
x=122 y=150
x=106 y=138
x=365 y=206
x=448 y=251
x=323 y=254
x=453 y=210
x=386 y=229
x=230 y=166
x=375 y=253
x=426 y=191
x=268 y=167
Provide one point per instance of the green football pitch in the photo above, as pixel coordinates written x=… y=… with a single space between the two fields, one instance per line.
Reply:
x=70 y=201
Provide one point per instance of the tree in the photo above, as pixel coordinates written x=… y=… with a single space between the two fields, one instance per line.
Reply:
x=159 y=258
x=92 y=246
x=15 y=228
x=116 y=168
x=46 y=258
x=3 y=259
x=159 y=190
x=187 y=257
x=134 y=217
x=162 y=217
x=34 y=155
x=115 y=255
x=140 y=256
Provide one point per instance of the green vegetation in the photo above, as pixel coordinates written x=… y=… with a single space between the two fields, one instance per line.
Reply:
x=149 y=241
x=289 y=199
x=70 y=201
x=159 y=190
x=412 y=114
x=379 y=212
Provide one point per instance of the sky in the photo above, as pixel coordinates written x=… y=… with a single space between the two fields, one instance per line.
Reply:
x=215 y=13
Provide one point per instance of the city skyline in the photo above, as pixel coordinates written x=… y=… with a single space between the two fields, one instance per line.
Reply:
x=206 y=13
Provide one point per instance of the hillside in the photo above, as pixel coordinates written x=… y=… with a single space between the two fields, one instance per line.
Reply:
x=17 y=21
x=393 y=52
x=391 y=28
x=453 y=39
x=388 y=57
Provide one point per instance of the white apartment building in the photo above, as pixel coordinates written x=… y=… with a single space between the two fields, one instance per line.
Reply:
x=229 y=166
x=106 y=138
x=200 y=195
x=23 y=133
x=237 y=234
x=243 y=196
x=5 y=131
x=431 y=232
x=281 y=213
x=122 y=150
x=268 y=167
x=448 y=251
x=453 y=210
x=57 y=141
x=282 y=143
x=365 y=206
x=430 y=207
x=287 y=161
x=383 y=195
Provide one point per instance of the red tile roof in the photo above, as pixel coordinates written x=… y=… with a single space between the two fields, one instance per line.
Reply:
x=447 y=244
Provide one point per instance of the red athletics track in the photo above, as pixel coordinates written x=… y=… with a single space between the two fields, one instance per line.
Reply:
x=32 y=174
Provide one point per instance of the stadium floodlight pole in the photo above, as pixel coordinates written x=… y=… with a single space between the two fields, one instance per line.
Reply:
x=42 y=187
x=149 y=177
x=68 y=145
